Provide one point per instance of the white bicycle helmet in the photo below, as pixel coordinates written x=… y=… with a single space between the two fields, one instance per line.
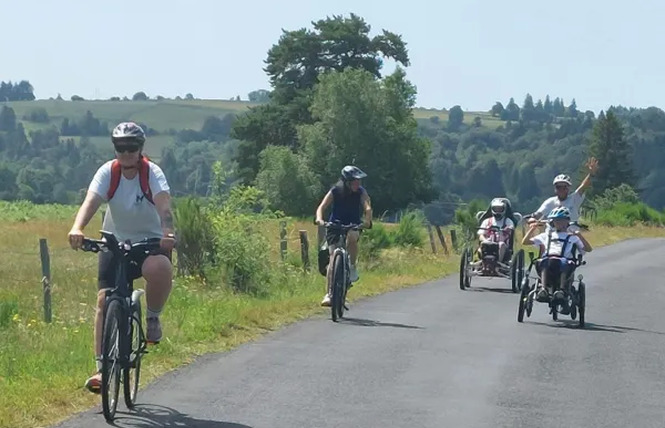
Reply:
x=128 y=131
x=498 y=207
x=562 y=178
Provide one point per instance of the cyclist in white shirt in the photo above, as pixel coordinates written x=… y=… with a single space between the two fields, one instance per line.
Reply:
x=563 y=198
x=138 y=198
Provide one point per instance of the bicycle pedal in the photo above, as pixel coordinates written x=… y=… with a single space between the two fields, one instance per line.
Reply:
x=346 y=307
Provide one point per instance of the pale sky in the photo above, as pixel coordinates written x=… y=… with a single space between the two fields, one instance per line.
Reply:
x=470 y=53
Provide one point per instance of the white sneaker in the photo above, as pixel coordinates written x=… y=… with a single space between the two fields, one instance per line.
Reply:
x=326 y=300
x=353 y=274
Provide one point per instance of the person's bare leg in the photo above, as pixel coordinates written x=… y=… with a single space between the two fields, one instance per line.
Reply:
x=352 y=248
x=93 y=383
x=352 y=245
x=99 y=319
x=157 y=272
x=502 y=251
x=329 y=272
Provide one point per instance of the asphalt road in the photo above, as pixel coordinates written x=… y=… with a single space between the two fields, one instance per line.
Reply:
x=437 y=356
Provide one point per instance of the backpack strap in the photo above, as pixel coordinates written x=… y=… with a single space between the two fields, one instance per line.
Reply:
x=116 y=172
x=144 y=178
x=563 y=246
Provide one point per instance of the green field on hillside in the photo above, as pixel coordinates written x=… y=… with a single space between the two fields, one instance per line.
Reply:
x=171 y=114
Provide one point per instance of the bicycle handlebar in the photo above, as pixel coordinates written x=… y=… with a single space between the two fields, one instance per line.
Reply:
x=109 y=242
x=495 y=228
x=351 y=226
x=572 y=223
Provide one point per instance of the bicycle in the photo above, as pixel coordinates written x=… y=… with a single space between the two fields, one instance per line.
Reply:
x=340 y=269
x=123 y=338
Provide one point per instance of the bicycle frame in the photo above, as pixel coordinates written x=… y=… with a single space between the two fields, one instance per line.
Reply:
x=340 y=246
x=123 y=289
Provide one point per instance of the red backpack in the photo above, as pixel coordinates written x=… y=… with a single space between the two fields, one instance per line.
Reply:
x=144 y=176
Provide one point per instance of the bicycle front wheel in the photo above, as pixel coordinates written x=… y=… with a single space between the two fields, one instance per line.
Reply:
x=132 y=373
x=111 y=358
x=337 y=303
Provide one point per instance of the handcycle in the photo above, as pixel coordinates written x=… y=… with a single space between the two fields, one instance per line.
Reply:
x=340 y=280
x=565 y=294
x=123 y=339
x=488 y=264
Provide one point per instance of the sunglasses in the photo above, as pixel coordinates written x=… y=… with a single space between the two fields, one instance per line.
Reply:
x=561 y=186
x=131 y=148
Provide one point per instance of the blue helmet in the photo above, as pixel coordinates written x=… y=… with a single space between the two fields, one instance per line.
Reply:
x=559 y=213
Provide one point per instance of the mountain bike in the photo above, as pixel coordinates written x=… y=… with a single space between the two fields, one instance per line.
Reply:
x=123 y=339
x=340 y=269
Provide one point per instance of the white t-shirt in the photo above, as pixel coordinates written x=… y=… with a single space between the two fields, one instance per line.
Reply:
x=130 y=215
x=505 y=222
x=556 y=244
x=573 y=202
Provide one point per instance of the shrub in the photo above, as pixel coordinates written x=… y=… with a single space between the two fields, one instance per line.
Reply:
x=374 y=240
x=410 y=231
x=195 y=242
x=465 y=218
x=627 y=214
x=242 y=253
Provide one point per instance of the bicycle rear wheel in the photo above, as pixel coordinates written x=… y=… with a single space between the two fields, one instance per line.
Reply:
x=112 y=341
x=132 y=373
x=337 y=303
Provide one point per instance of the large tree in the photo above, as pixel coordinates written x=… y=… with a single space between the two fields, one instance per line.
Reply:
x=294 y=66
x=369 y=123
x=609 y=145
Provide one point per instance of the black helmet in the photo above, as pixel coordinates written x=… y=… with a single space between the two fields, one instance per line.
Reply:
x=350 y=173
x=128 y=131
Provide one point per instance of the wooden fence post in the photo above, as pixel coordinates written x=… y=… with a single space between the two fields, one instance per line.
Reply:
x=431 y=237
x=453 y=238
x=46 y=278
x=282 y=239
x=304 y=249
x=442 y=239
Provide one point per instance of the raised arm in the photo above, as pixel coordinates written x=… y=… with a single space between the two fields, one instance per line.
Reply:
x=592 y=166
x=367 y=206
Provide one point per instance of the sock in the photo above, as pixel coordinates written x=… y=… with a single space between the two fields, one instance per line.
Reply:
x=152 y=314
x=98 y=362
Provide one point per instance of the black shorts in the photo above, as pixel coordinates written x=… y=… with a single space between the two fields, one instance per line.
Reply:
x=555 y=267
x=333 y=234
x=108 y=266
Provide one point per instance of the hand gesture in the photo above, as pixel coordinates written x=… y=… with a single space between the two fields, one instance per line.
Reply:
x=592 y=165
